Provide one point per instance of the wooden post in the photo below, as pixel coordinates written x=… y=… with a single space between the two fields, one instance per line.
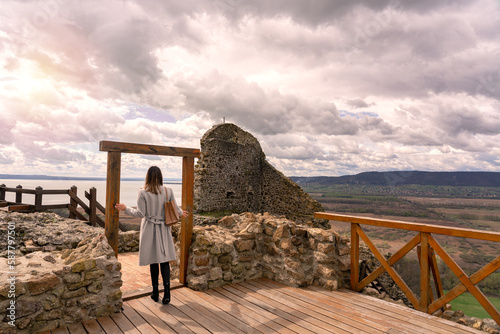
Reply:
x=93 y=206
x=19 y=194
x=2 y=192
x=187 y=222
x=38 y=199
x=354 y=256
x=72 y=202
x=424 y=272
x=112 y=198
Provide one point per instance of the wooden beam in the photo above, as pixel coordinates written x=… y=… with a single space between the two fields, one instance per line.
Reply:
x=466 y=281
x=395 y=276
x=112 y=198
x=19 y=207
x=76 y=213
x=426 y=228
x=187 y=222
x=354 y=256
x=424 y=272
x=392 y=260
x=113 y=146
x=459 y=289
x=92 y=206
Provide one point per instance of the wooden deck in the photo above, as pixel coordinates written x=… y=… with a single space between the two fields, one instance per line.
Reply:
x=264 y=306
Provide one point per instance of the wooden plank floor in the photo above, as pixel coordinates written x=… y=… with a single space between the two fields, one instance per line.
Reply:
x=264 y=306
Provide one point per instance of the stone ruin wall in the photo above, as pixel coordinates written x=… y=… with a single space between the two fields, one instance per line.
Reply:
x=57 y=288
x=245 y=246
x=233 y=175
x=65 y=272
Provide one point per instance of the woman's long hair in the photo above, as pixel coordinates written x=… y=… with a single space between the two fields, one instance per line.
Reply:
x=154 y=180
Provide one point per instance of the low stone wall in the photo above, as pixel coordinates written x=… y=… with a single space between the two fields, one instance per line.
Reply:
x=56 y=288
x=47 y=231
x=251 y=245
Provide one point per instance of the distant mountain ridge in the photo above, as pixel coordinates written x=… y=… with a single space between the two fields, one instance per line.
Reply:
x=75 y=178
x=481 y=179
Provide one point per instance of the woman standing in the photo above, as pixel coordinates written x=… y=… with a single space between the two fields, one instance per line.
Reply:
x=156 y=245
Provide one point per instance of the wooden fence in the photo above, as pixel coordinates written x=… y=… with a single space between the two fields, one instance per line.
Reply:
x=428 y=247
x=72 y=206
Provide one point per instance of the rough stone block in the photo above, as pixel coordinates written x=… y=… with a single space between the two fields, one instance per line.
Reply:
x=51 y=302
x=286 y=244
x=78 y=285
x=202 y=261
x=75 y=314
x=51 y=315
x=115 y=296
x=200 y=271
x=325 y=271
x=321 y=235
x=244 y=245
x=238 y=269
x=215 y=274
x=343 y=250
x=197 y=282
x=83 y=265
x=326 y=248
x=246 y=257
x=225 y=258
x=27 y=306
x=283 y=231
x=89 y=301
x=75 y=293
x=115 y=284
x=95 y=287
x=72 y=278
x=38 y=285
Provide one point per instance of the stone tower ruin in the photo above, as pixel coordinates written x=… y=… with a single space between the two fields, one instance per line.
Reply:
x=233 y=175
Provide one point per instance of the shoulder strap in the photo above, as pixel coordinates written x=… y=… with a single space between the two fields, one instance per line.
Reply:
x=167 y=193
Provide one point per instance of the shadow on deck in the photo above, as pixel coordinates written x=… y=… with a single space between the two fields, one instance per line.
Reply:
x=264 y=306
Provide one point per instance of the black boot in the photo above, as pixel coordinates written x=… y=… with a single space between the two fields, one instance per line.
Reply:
x=166 y=294
x=155 y=294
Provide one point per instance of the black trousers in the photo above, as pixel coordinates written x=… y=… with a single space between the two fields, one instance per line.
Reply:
x=154 y=270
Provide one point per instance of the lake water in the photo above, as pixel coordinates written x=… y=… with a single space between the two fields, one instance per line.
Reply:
x=128 y=190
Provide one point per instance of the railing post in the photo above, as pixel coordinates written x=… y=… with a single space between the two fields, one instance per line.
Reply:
x=38 y=198
x=112 y=198
x=19 y=194
x=72 y=202
x=2 y=192
x=354 y=256
x=424 y=272
x=93 y=206
x=187 y=222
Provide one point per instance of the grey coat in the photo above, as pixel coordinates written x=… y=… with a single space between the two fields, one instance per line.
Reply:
x=156 y=244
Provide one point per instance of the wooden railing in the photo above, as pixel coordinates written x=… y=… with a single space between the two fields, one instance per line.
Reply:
x=72 y=206
x=428 y=246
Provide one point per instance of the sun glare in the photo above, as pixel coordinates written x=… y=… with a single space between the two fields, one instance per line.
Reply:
x=27 y=82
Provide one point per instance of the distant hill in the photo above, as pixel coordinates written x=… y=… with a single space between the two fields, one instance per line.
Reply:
x=481 y=179
x=76 y=178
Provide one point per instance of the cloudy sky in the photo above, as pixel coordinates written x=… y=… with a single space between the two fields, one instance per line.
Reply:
x=327 y=87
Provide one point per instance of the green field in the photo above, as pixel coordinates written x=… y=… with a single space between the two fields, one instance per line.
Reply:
x=471 y=307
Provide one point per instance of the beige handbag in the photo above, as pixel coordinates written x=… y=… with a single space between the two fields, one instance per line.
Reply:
x=171 y=214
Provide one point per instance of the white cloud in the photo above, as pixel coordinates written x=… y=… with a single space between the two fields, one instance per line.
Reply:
x=328 y=87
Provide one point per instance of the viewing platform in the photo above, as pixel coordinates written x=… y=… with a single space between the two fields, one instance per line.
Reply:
x=256 y=306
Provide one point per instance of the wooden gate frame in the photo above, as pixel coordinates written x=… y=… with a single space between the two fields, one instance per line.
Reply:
x=114 y=150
